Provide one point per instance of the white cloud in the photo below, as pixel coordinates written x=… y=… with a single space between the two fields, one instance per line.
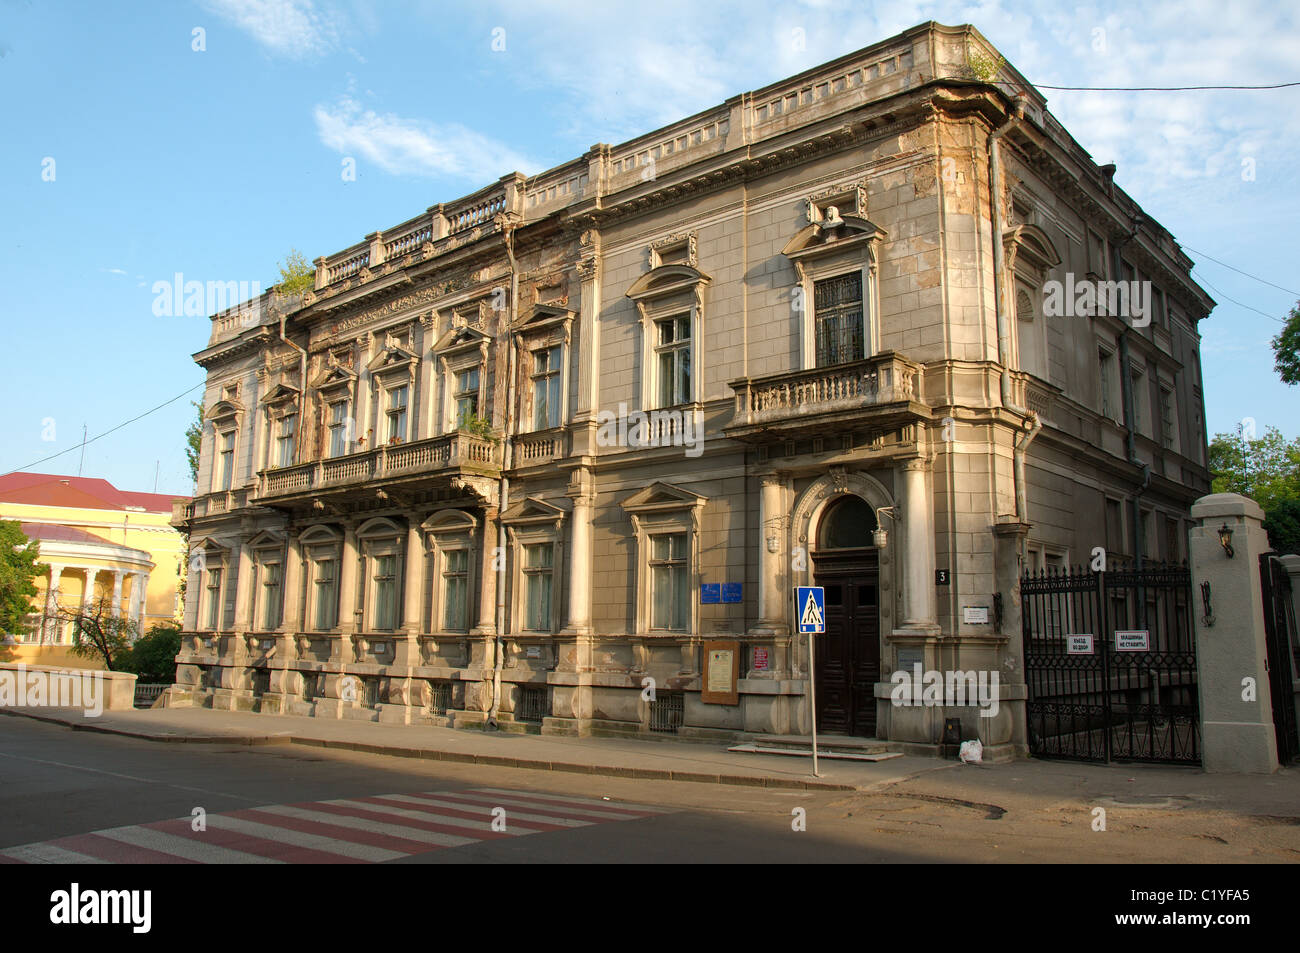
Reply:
x=113 y=271
x=292 y=28
x=416 y=147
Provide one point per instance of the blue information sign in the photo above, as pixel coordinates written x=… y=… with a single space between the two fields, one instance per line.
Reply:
x=810 y=609
x=731 y=591
x=710 y=593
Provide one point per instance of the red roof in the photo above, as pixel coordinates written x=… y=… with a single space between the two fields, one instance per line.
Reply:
x=49 y=489
x=55 y=531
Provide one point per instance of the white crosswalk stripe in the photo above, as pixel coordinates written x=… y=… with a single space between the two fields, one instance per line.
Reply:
x=370 y=830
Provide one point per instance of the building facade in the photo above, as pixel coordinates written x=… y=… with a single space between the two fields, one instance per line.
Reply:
x=101 y=545
x=556 y=454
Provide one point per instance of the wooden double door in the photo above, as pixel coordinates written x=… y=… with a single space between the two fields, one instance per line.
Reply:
x=848 y=655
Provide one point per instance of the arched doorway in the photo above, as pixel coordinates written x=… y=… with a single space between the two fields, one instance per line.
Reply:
x=846 y=565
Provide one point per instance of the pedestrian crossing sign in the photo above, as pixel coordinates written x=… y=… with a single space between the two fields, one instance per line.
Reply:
x=810 y=605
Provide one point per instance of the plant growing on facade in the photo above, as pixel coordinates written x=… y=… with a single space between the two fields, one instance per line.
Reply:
x=982 y=66
x=296 y=275
x=478 y=426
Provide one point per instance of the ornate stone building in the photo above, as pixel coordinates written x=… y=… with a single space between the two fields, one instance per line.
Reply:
x=517 y=456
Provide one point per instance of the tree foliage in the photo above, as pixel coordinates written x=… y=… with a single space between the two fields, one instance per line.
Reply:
x=100 y=633
x=19 y=566
x=1286 y=348
x=296 y=274
x=194 y=441
x=1268 y=471
x=153 y=657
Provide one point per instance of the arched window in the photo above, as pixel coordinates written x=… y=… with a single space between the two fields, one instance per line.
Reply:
x=848 y=524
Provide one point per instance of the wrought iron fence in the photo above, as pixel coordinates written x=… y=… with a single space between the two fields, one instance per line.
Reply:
x=146 y=695
x=1110 y=662
x=1283 y=654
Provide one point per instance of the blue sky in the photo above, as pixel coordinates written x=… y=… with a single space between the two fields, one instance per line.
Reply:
x=215 y=162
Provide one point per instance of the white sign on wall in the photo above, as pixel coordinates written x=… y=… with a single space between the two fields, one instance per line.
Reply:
x=1132 y=640
x=1078 y=644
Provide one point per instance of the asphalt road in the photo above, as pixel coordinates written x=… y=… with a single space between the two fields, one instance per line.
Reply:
x=72 y=796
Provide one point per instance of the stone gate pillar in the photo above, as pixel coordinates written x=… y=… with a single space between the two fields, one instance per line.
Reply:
x=1236 y=724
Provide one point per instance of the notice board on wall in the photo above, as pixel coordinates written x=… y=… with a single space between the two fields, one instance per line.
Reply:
x=721 y=673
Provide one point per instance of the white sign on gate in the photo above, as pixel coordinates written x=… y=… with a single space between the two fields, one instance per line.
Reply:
x=1132 y=640
x=1079 y=644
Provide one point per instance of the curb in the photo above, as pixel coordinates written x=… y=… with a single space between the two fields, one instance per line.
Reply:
x=456 y=757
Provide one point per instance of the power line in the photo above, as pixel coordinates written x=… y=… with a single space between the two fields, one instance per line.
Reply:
x=1238 y=303
x=1240 y=272
x=1154 y=89
x=107 y=432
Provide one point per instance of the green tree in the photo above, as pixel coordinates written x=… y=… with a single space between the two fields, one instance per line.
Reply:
x=194 y=441
x=1268 y=471
x=1286 y=348
x=296 y=274
x=100 y=633
x=19 y=566
x=153 y=658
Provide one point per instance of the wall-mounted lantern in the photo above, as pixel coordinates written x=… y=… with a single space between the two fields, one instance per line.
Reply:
x=1225 y=539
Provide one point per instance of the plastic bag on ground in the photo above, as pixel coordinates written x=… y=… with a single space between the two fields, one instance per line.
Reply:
x=971 y=752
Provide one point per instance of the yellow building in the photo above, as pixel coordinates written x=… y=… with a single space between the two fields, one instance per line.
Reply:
x=99 y=542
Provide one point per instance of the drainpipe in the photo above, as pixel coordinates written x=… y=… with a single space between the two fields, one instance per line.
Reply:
x=1126 y=395
x=1031 y=422
x=504 y=492
x=302 y=387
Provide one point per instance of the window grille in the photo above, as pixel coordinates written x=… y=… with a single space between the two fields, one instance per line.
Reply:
x=667 y=712
x=439 y=697
x=533 y=704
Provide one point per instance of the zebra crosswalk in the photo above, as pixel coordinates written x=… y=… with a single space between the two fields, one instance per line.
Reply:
x=359 y=830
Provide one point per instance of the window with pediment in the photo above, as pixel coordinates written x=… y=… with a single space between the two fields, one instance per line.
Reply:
x=281 y=415
x=1030 y=257
x=835 y=298
x=461 y=355
x=225 y=419
x=666 y=524
x=267 y=597
x=542 y=346
x=210 y=561
x=380 y=544
x=451 y=550
x=393 y=373
x=534 y=528
x=670 y=308
x=336 y=394
x=322 y=550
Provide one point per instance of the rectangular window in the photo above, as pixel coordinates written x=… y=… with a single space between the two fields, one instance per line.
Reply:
x=455 y=590
x=537 y=585
x=214 y=599
x=1140 y=415
x=284 y=440
x=673 y=353
x=397 y=413
x=669 y=598
x=1168 y=426
x=1114 y=529
x=467 y=386
x=386 y=593
x=1106 y=365
x=338 y=428
x=837 y=313
x=227 y=459
x=546 y=388
x=327 y=600
x=270 y=596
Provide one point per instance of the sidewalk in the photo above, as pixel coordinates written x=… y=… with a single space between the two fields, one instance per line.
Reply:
x=1139 y=786
x=611 y=757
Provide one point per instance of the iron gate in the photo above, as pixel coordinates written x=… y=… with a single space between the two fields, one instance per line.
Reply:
x=1283 y=654
x=1128 y=699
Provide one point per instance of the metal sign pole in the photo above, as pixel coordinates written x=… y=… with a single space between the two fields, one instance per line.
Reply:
x=812 y=701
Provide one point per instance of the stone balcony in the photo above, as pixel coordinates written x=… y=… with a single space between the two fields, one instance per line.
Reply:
x=881 y=392
x=438 y=458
